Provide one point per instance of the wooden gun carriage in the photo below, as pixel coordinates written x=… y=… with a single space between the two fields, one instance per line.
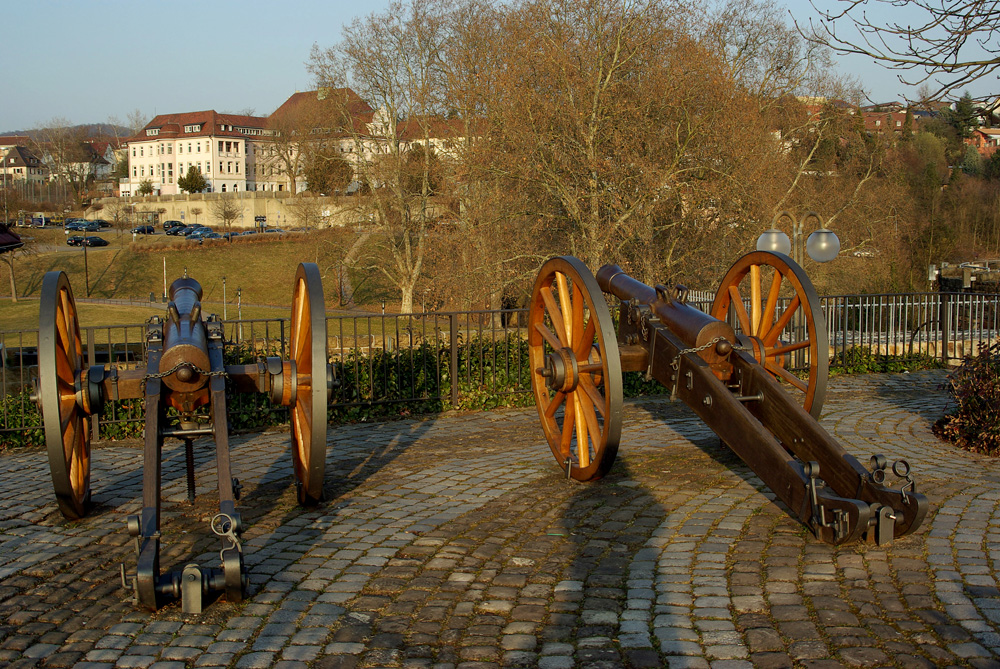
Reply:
x=184 y=371
x=732 y=379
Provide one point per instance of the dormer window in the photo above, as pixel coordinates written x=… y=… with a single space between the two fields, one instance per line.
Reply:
x=193 y=128
x=152 y=132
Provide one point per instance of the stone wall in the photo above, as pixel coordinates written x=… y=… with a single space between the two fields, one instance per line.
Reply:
x=281 y=209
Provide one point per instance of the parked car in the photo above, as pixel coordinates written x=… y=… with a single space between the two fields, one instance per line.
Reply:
x=208 y=235
x=94 y=241
x=144 y=230
x=172 y=224
x=101 y=223
x=75 y=240
x=176 y=230
x=195 y=230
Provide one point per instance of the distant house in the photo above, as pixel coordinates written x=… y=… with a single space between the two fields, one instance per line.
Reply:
x=986 y=141
x=219 y=145
x=885 y=122
x=21 y=165
x=251 y=153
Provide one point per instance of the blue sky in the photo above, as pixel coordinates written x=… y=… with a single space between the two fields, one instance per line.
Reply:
x=88 y=60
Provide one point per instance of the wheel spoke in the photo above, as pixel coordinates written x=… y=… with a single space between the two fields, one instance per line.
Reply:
x=565 y=306
x=593 y=394
x=578 y=333
x=754 y=298
x=587 y=340
x=783 y=321
x=778 y=350
x=589 y=413
x=786 y=375
x=557 y=400
x=741 y=312
x=582 y=442
x=569 y=420
x=548 y=336
x=557 y=317
x=767 y=318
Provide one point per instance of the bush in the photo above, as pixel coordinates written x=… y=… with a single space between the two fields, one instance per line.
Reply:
x=975 y=389
x=862 y=360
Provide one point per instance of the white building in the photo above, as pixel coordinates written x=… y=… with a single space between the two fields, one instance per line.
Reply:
x=220 y=145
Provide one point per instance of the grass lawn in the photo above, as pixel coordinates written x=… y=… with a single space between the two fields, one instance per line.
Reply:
x=263 y=266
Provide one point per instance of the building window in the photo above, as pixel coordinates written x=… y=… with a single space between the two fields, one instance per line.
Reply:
x=152 y=132
x=220 y=146
x=899 y=123
x=208 y=166
x=229 y=147
x=133 y=152
x=140 y=150
x=223 y=188
x=170 y=148
x=237 y=167
x=199 y=146
x=221 y=168
x=189 y=147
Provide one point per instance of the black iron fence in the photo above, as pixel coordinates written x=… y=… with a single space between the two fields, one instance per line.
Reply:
x=393 y=364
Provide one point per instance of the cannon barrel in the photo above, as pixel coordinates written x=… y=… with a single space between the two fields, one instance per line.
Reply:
x=693 y=327
x=185 y=341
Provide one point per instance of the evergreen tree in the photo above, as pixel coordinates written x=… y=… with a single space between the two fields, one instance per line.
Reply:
x=193 y=181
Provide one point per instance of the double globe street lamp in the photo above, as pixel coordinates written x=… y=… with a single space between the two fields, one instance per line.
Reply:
x=822 y=245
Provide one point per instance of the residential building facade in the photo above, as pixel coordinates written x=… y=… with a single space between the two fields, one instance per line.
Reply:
x=221 y=146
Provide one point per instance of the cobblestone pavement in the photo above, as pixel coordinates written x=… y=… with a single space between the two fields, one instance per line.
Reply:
x=455 y=542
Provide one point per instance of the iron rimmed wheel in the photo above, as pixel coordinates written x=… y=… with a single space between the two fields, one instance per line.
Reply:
x=308 y=394
x=575 y=368
x=779 y=331
x=63 y=395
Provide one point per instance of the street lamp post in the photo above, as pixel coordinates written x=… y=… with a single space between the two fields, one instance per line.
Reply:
x=224 y=317
x=239 y=309
x=822 y=245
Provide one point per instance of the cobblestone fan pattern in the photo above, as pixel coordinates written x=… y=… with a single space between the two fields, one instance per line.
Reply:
x=456 y=543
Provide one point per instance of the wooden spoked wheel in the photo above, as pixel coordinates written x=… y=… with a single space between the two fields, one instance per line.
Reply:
x=575 y=368
x=309 y=391
x=63 y=395
x=784 y=326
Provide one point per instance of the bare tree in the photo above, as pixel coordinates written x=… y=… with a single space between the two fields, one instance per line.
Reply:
x=392 y=59
x=226 y=209
x=65 y=153
x=947 y=44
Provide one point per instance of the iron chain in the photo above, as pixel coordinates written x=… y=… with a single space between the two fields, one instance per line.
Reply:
x=173 y=369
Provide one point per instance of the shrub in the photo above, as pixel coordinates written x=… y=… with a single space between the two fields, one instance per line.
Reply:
x=975 y=388
x=862 y=360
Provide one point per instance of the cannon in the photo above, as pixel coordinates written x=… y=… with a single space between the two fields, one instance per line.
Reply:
x=754 y=368
x=184 y=372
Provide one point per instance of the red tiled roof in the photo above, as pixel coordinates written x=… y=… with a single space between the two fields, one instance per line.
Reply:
x=355 y=105
x=171 y=126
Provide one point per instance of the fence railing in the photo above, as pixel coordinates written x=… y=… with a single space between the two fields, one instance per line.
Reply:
x=440 y=360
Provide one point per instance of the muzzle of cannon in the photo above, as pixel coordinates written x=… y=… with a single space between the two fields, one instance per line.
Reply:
x=754 y=369
x=184 y=371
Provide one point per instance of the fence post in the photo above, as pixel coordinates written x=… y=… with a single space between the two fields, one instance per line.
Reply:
x=91 y=361
x=453 y=326
x=945 y=325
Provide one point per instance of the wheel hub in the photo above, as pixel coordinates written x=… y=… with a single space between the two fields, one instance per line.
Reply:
x=561 y=371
